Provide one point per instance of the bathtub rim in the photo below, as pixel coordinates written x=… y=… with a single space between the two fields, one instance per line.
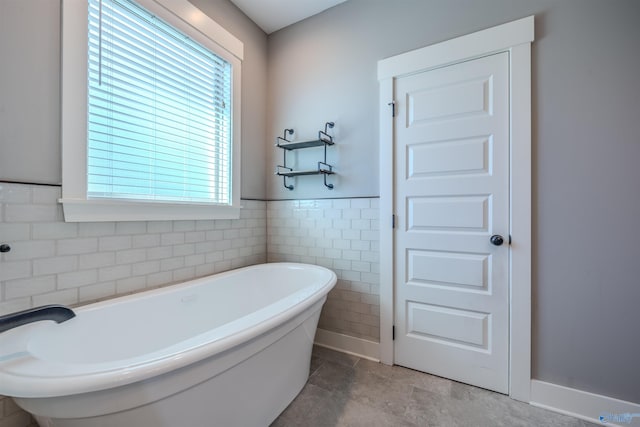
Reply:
x=18 y=384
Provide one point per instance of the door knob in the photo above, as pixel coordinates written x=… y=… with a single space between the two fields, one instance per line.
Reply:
x=496 y=239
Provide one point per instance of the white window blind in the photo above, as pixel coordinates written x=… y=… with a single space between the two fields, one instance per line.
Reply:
x=159 y=110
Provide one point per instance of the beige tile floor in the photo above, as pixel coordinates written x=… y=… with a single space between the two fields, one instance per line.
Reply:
x=345 y=390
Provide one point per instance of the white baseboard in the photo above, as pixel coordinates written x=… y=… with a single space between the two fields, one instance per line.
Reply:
x=584 y=405
x=348 y=344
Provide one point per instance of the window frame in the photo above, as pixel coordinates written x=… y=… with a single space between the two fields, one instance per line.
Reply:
x=76 y=205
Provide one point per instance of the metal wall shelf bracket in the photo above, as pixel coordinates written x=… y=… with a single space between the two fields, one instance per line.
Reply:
x=324 y=140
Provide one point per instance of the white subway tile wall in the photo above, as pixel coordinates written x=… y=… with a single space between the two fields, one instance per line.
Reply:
x=71 y=263
x=341 y=234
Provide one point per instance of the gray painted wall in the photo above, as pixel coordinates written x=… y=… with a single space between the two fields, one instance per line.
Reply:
x=586 y=153
x=30 y=91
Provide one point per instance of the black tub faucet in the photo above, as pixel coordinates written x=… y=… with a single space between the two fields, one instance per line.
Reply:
x=55 y=312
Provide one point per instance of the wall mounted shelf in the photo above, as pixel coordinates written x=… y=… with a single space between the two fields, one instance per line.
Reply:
x=324 y=140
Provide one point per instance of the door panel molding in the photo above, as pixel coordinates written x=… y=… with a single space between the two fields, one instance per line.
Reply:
x=514 y=37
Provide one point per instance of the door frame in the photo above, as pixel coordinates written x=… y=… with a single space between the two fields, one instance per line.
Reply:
x=514 y=37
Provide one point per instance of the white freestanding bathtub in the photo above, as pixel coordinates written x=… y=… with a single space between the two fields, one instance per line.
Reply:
x=231 y=349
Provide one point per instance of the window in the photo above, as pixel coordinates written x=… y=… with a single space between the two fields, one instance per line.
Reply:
x=160 y=102
x=159 y=110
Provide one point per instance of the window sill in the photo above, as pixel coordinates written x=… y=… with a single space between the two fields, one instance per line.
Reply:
x=79 y=210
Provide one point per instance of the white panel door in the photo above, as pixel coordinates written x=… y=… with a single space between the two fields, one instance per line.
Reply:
x=451 y=195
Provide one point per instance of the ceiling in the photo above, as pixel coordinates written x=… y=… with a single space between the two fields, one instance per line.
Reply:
x=272 y=15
